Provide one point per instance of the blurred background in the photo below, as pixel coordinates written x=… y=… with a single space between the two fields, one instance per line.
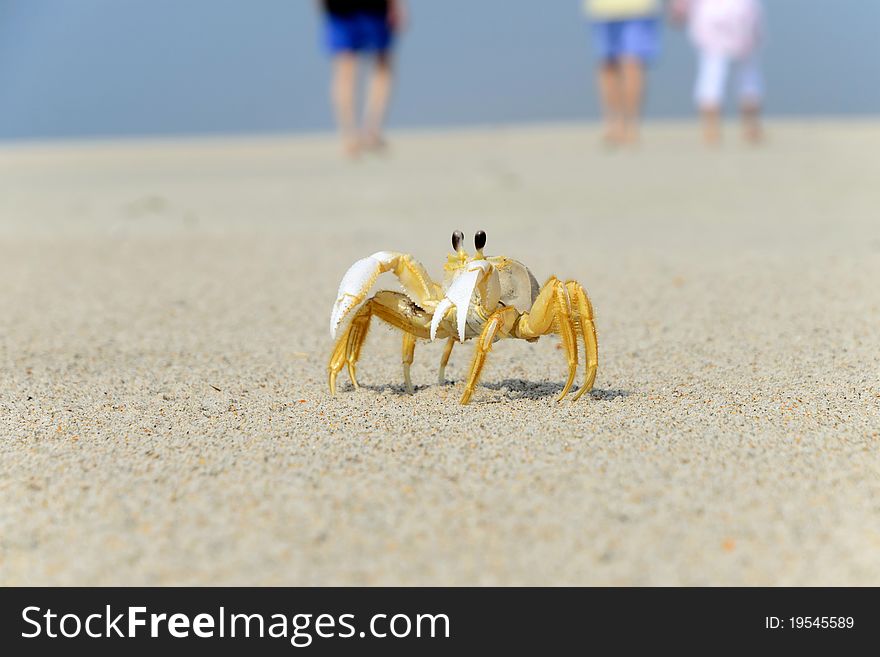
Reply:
x=80 y=68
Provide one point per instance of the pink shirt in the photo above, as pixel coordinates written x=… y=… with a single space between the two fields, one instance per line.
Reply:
x=726 y=27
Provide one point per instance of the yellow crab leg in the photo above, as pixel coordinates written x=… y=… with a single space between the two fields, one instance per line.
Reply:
x=551 y=312
x=568 y=335
x=356 y=336
x=392 y=307
x=409 y=348
x=347 y=350
x=447 y=352
x=499 y=321
x=538 y=320
x=337 y=359
x=584 y=312
x=351 y=362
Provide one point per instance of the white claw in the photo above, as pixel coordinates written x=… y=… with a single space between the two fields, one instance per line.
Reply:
x=355 y=284
x=459 y=294
x=439 y=314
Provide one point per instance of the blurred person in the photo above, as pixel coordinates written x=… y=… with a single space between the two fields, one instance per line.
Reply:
x=626 y=34
x=354 y=28
x=726 y=34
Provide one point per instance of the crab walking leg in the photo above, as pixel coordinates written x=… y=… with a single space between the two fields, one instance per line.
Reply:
x=500 y=321
x=360 y=325
x=444 y=359
x=568 y=334
x=409 y=348
x=337 y=359
x=348 y=348
x=551 y=310
x=580 y=302
x=392 y=307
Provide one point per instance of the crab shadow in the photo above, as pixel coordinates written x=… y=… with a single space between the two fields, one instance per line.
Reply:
x=522 y=389
x=514 y=388
x=392 y=388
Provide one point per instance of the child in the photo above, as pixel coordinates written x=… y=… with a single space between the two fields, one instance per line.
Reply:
x=626 y=34
x=726 y=33
x=354 y=27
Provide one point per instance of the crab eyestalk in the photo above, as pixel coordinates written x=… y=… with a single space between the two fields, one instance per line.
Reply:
x=457 y=241
x=458 y=256
x=479 y=243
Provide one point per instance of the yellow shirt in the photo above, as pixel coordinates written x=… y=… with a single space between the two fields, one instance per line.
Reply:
x=615 y=9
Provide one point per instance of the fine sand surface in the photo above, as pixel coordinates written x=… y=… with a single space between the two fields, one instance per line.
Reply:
x=164 y=416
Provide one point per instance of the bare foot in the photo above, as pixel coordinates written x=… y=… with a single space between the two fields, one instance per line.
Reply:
x=631 y=135
x=373 y=141
x=351 y=147
x=613 y=134
x=712 y=135
x=751 y=123
x=711 y=120
x=753 y=133
x=712 y=139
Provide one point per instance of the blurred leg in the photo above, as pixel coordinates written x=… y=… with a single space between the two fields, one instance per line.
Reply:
x=751 y=118
x=343 y=96
x=633 y=79
x=751 y=92
x=711 y=119
x=611 y=94
x=378 y=96
x=709 y=93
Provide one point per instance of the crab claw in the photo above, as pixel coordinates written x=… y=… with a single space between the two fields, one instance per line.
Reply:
x=459 y=296
x=355 y=284
x=439 y=314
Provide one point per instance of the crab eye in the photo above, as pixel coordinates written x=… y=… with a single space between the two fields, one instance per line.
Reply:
x=457 y=239
x=480 y=239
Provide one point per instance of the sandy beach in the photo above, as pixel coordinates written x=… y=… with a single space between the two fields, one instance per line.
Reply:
x=164 y=415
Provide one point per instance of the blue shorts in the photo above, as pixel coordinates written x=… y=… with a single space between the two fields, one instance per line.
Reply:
x=361 y=32
x=631 y=37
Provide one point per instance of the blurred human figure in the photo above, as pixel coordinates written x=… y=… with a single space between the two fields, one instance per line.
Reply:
x=726 y=34
x=626 y=34
x=354 y=28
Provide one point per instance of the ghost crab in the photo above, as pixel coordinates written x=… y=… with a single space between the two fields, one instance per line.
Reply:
x=482 y=297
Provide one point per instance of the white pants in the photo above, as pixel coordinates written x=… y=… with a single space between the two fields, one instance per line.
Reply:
x=712 y=80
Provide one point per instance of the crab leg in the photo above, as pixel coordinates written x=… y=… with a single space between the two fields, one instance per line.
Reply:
x=348 y=348
x=551 y=310
x=569 y=337
x=500 y=321
x=409 y=348
x=337 y=359
x=395 y=309
x=583 y=311
x=360 y=325
x=447 y=352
